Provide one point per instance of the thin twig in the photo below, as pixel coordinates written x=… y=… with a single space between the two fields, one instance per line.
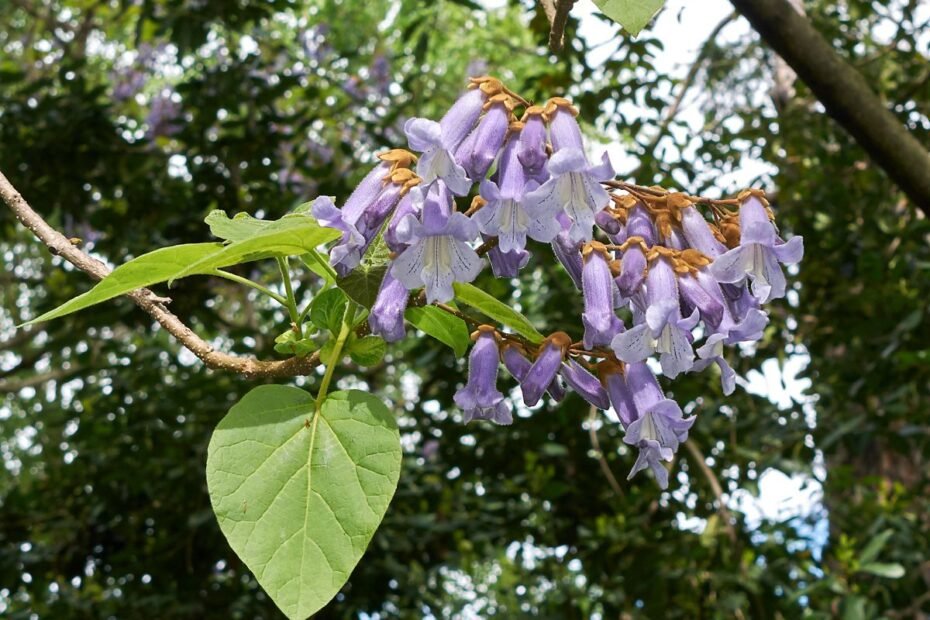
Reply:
x=708 y=473
x=557 y=13
x=602 y=461
x=59 y=245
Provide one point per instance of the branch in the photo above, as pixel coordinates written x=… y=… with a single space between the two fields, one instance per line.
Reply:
x=59 y=245
x=557 y=13
x=844 y=93
x=601 y=459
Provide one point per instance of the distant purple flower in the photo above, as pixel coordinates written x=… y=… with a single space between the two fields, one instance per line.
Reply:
x=659 y=427
x=163 y=119
x=480 y=398
x=387 y=313
x=544 y=370
x=438 y=252
x=758 y=254
x=518 y=365
x=504 y=215
x=601 y=323
x=664 y=330
x=585 y=384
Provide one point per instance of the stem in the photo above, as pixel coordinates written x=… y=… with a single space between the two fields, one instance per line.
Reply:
x=318 y=258
x=344 y=331
x=291 y=301
x=246 y=282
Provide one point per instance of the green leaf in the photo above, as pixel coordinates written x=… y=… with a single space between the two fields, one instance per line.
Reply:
x=891 y=571
x=444 y=327
x=633 y=15
x=875 y=546
x=363 y=282
x=237 y=228
x=493 y=308
x=318 y=264
x=367 y=351
x=328 y=308
x=292 y=235
x=298 y=493
x=146 y=270
x=289 y=343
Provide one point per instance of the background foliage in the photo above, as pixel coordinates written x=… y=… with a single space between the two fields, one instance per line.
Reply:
x=125 y=123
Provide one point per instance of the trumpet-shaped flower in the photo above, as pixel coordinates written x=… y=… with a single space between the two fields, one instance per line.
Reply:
x=480 y=398
x=438 y=253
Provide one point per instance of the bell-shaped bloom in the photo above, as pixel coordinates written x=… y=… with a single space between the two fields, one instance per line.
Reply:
x=507 y=264
x=585 y=384
x=759 y=253
x=437 y=161
x=504 y=215
x=543 y=371
x=531 y=148
x=698 y=234
x=479 y=398
x=659 y=427
x=601 y=323
x=611 y=373
x=712 y=353
x=408 y=205
x=564 y=131
x=606 y=221
x=517 y=364
x=479 y=150
x=573 y=187
x=438 y=253
x=633 y=261
x=568 y=252
x=664 y=331
x=366 y=210
x=462 y=117
x=739 y=319
x=710 y=306
x=387 y=313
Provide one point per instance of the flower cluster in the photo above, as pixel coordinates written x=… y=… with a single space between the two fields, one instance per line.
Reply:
x=646 y=255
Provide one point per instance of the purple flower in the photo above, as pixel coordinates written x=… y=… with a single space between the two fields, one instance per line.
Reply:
x=543 y=371
x=611 y=373
x=633 y=261
x=574 y=187
x=587 y=385
x=438 y=141
x=369 y=205
x=479 y=150
x=712 y=353
x=698 y=233
x=480 y=398
x=518 y=365
x=600 y=322
x=531 y=150
x=664 y=330
x=758 y=254
x=406 y=206
x=507 y=264
x=659 y=427
x=504 y=215
x=387 y=313
x=568 y=252
x=438 y=252
x=574 y=184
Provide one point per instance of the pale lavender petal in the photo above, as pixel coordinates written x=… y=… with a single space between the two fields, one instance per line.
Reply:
x=564 y=131
x=585 y=384
x=408 y=267
x=423 y=134
x=603 y=171
x=698 y=233
x=790 y=252
x=634 y=345
x=387 y=313
x=566 y=161
x=732 y=266
x=461 y=118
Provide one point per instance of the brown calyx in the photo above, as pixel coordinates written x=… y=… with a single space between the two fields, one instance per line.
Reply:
x=485 y=329
x=398 y=158
x=554 y=104
x=594 y=246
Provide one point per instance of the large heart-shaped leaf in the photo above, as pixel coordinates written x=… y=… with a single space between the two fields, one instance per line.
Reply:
x=146 y=270
x=633 y=15
x=300 y=492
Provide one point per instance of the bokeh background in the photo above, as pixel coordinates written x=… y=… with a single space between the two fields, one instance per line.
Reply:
x=125 y=122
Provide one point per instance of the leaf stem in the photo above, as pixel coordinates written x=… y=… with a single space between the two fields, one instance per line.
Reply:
x=291 y=300
x=251 y=284
x=348 y=318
